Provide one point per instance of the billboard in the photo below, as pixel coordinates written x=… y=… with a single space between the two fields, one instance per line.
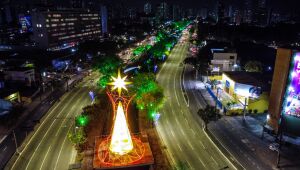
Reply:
x=291 y=104
x=25 y=23
x=247 y=90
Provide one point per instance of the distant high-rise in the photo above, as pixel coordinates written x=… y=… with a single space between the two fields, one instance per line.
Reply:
x=175 y=12
x=260 y=14
x=203 y=13
x=104 y=19
x=147 y=8
x=162 y=12
x=76 y=3
x=221 y=11
x=59 y=29
x=248 y=12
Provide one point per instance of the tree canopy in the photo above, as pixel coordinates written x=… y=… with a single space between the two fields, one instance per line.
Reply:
x=253 y=66
x=148 y=94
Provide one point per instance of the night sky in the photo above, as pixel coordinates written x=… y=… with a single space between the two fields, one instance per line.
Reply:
x=277 y=5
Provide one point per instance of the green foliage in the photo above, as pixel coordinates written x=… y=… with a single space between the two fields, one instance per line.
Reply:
x=102 y=82
x=107 y=65
x=209 y=113
x=253 y=66
x=148 y=94
x=77 y=137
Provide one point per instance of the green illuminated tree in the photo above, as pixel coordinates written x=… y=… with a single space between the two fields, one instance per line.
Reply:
x=107 y=65
x=253 y=66
x=77 y=137
x=148 y=94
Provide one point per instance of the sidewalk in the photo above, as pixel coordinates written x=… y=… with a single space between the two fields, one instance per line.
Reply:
x=243 y=140
x=29 y=108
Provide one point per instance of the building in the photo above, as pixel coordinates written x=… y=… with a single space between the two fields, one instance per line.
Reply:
x=249 y=89
x=248 y=12
x=284 y=97
x=260 y=13
x=162 y=12
x=221 y=11
x=104 y=17
x=25 y=76
x=147 y=8
x=60 y=29
x=223 y=61
x=76 y=3
x=203 y=13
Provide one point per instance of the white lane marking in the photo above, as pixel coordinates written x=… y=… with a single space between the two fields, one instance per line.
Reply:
x=172 y=133
x=61 y=148
x=191 y=145
x=176 y=120
x=64 y=142
x=47 y=132
x=193 y=131
x=186 y=121
x=164 y=142
x=182 y=132
x=179 y=147
x=202 y=162
x=50 y=113
x=44 y=158
x=221 y=151
x=202 y=145
x=189 y=165
x=214 y=160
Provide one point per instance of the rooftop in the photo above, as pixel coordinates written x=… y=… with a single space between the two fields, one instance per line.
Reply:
x=262 y=80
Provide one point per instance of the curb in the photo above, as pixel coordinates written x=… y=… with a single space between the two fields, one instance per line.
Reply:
x=224 y=151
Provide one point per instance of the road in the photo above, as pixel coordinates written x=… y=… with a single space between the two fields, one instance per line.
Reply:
x=179 y=128
x=49 y=148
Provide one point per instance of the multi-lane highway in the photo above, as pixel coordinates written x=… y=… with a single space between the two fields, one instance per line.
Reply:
x=48 y=147
x=179 y=128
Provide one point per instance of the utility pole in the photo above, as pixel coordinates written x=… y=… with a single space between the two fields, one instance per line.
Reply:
x=245 y=108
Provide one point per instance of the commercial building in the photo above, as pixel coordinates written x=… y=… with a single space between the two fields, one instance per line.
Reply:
x=223 y=61
x=284 y=105
x=25 y=76
x=59 y=29
x=104 y=18
x=249 y=89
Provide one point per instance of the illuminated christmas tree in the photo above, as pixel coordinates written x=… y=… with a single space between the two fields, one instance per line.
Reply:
x=121 y=142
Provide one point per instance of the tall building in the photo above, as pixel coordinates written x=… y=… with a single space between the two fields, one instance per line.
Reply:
x=59 y=29
x=162 y=12
x=203 y=13
x=104 y=19
x=221 y=11
x=175 y=12
x=76 y=3
x=248 y=12
x=147 y=8
x=260 y=13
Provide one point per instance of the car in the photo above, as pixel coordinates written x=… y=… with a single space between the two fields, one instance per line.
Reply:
x=274 y=146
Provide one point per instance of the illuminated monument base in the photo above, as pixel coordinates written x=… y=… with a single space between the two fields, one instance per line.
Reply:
x=141 y=154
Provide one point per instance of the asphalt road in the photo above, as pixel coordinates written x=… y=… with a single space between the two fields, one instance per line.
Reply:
x=179 y=128
x=49 y=147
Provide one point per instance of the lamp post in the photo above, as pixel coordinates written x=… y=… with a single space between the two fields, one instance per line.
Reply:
x=245 y=109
